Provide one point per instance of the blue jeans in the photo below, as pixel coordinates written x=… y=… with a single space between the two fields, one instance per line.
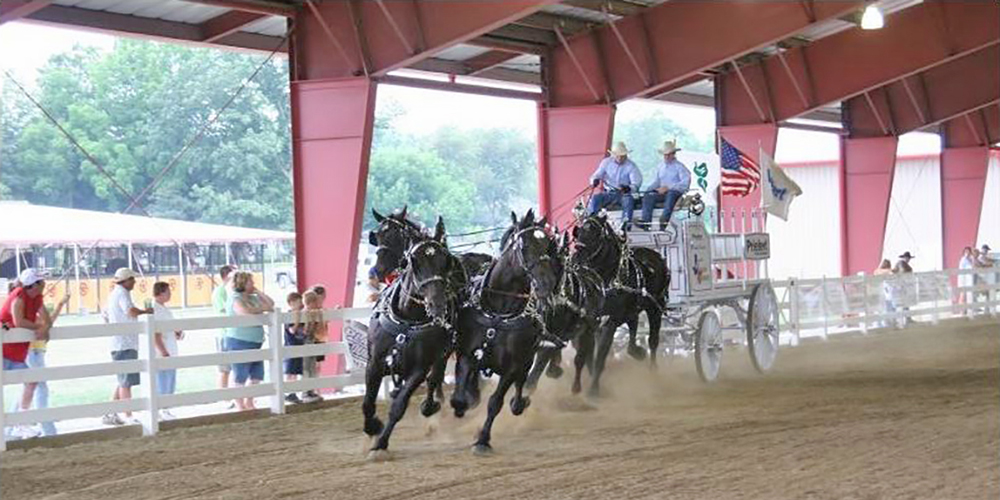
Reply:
x=36 y=359
x=607 y=198
x=253 y=370
x=166 y=382
x=650 y=199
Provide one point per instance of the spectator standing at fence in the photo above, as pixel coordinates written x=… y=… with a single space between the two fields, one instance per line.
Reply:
x=885 y=269
x=246 y=300
x=23 y=308
x=38 y=392
x=295 y=334
x=903 y=267
x=967 y=262
x=315 y=333
x=121 y=309
x=165 y=342
x=984 y=261
x=220 y=305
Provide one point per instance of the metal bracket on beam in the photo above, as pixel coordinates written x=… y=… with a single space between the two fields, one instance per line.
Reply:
x=395 y=27
x=628 y=52
x=329 y=34
x=746 y=87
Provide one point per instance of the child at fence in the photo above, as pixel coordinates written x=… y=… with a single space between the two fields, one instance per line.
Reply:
x=294 y=335
x=165 y=342
x=315 y=329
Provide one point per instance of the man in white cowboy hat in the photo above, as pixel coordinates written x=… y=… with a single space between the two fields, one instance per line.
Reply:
x=621 y=178
x=121 y=309
x=672 y=180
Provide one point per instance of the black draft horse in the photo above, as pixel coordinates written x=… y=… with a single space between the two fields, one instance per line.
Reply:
x=501 y=326
x=410 y=335
x=635 y=280
x=574 y=317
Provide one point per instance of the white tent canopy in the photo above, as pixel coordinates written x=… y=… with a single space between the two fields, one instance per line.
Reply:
x=23 y=224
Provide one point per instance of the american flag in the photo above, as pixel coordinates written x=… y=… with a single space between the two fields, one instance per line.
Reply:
x=740 y=175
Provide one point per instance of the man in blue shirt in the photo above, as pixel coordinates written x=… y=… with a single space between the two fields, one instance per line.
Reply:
x=620 y=177
x=672 y=180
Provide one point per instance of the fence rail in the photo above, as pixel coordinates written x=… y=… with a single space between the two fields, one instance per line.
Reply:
x=149 y=402
x=825 y=304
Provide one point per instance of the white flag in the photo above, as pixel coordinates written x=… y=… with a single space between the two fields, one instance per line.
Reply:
x=778 y=189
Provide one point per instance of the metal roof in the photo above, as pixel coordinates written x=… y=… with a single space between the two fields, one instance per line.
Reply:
x=182 y=19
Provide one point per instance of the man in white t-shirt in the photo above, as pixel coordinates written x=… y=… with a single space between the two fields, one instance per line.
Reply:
x=165 y=342
x=121 y=309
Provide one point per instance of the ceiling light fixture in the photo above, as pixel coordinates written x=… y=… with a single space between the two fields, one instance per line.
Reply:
x=872 y=19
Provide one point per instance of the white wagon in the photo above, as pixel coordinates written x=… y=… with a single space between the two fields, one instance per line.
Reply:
x=719 y=291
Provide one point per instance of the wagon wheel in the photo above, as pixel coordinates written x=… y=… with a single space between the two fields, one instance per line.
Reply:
x=762 y=327
x=708 y=346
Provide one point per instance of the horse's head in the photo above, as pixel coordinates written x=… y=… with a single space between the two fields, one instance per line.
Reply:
x=429 y=264
x=392 y=236
x=591 y=232
x=537 y=252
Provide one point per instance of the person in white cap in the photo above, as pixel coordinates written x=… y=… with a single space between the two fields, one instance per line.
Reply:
x=621 y=178
x=24 y=308
x=672 y=180
x=121 y=309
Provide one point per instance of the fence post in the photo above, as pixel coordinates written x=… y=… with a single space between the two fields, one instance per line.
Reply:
x=794 y=310
x=822 y=302
x=915 y=310
x=864 y=296
x=277 y=362
x=936 y=317
x=151 y=421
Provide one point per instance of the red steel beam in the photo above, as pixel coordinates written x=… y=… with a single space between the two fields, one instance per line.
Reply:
x=12 y=10
x=253 y=6
x=398 y=34
x=226 y=24
x=487 y=60
x=852 y=62
x=674 y=25
x=155 y=29
x=976 y=129
x=964 y=85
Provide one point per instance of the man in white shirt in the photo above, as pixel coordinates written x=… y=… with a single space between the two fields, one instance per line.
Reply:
x=672 y=180
x=121 y=309
x=621 y=178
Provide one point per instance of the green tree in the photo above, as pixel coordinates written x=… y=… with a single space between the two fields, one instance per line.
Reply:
x=645 y=135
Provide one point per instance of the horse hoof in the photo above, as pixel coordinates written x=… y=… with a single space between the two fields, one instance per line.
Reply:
x=393 y=393
x=379 y=456
x=554 y=371
x=373 y=427
x=594 y=392
x=577 y=388
x=636 y=352
x=428 y=408
x=482 y=450
x=517 y=406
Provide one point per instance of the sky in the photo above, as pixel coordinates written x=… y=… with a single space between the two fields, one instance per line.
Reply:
x=425 y=108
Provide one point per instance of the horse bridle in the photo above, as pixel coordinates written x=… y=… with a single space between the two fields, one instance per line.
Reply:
x=419 y=285
x=409 y=234
x=600 y=240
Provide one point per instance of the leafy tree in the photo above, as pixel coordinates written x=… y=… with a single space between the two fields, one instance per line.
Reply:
x=645 y=135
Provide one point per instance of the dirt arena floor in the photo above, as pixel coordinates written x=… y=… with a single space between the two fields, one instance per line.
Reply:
x=913 y=414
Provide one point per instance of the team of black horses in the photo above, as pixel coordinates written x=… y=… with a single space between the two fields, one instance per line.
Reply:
x=508 y=315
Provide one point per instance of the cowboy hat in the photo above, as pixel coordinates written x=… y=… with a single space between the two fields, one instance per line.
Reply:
x=124 y=274
x=620 y=149
x=906 y=255
x=669 y=147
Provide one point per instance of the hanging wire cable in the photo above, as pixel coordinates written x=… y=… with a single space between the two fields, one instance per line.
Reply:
x=134 y=201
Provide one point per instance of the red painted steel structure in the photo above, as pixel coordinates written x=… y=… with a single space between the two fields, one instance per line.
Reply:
x=963 y=182
x=663 y=46
x=852 y=62
x=572 y=141
x=867 y=167
x=337 y=51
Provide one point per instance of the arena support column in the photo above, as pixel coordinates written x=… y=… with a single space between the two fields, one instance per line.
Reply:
x=332 y=121
x=866 y=173
x=571 y=142
x=963 y=183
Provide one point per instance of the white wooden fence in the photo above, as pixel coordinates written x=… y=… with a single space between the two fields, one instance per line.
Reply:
x=826 y=305
x=833 y=305
x=150 y=401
